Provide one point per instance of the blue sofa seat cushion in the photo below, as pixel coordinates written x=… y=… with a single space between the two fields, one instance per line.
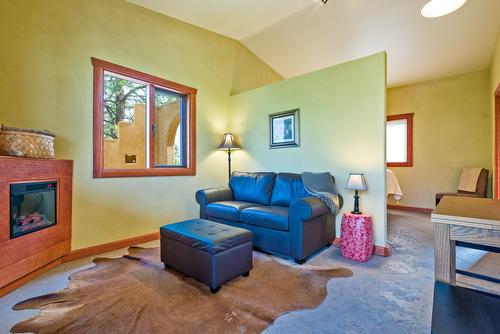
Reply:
x=273 y=217
x=252 y=187
x=287 y=188
x=206 y=235
x=229 y=210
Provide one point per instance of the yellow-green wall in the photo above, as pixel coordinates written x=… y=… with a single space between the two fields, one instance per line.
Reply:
x=495 y=83
x=245 y=75
x=495 y=66
x=452 y=130
x=46 y=83
x=342 y=129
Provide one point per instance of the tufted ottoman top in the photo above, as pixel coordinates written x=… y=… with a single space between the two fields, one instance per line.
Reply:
x=206 y=235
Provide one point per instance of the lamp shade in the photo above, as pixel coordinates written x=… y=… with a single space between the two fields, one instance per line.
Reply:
x=228 y=142
x=356 y=182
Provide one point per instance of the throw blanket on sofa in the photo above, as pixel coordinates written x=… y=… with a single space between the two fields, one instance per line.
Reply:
x=468 y=179
x=322 y=186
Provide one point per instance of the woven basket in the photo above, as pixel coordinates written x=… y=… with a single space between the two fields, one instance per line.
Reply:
x=27 y=143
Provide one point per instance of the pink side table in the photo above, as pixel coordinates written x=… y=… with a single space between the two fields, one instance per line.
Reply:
x=356 y=237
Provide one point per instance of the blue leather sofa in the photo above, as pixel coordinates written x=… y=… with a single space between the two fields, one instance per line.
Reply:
x=283 y=217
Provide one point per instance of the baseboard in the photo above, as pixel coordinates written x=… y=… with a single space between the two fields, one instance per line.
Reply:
x=384 y=251
x=409 y=208
x=110 y=246
x=336 y=242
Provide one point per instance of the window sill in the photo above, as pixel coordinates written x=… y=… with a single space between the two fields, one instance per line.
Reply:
x=145 y=172
x=400 y=164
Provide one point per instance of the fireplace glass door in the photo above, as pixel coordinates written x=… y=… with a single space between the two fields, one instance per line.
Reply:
x=32 y=207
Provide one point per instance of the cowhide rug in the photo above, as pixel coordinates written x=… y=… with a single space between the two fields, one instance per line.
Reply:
x=135 y=294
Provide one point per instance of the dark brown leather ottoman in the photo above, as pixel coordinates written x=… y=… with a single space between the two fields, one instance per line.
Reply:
x=210 y=252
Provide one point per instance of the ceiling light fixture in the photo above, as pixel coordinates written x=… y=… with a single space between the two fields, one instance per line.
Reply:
x=324 y=1
x=436 y=8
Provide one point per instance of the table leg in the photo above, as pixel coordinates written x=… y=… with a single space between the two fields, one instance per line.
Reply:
x=444 y=254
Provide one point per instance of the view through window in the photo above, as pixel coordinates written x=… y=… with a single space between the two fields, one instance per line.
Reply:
x=143 y=123
x=399 y=140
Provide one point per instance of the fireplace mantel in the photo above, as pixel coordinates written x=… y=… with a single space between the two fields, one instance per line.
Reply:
x=22 y=255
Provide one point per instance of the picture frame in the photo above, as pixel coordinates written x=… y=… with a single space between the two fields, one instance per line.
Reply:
x=284 y=129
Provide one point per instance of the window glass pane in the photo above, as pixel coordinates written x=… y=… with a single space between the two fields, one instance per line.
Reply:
x=396 y=140
x=124 y=122
x=169 y=128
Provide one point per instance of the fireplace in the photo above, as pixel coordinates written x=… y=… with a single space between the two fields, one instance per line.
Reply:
x=32 y=207
x=35 y=217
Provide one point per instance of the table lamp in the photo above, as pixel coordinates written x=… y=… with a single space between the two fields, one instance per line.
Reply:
x=229 y=143
x=356 y=182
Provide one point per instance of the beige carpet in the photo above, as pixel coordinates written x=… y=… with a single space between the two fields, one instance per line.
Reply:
x=134 y=294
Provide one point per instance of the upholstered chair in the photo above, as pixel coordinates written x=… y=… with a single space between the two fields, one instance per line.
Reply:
x=481 y=188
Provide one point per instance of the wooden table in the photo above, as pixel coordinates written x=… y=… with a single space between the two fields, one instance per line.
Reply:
x=463 y=221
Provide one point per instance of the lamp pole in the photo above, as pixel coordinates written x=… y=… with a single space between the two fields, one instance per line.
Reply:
x=228 y=144
x=229 y=162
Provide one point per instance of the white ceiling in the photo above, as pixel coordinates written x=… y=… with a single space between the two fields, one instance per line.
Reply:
x=299 y=36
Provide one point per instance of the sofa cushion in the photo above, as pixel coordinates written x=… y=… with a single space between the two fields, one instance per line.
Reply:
x=287 y=188
x=273 y=217
x=252 y=187
x=229 y=210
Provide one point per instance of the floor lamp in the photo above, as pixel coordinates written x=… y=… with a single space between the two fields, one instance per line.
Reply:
x=229 y=144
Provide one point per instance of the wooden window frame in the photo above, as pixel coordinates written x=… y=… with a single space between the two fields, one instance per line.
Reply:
x=496 y=185
x=100 y=66
x=409 y=139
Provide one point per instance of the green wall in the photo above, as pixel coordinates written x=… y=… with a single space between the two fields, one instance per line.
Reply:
x=342 y=116
x=452 y=130
x=46 y=83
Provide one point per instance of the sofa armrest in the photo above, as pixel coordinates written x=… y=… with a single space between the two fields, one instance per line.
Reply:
x=307 y=208
x=207 y=196
x=312 y=226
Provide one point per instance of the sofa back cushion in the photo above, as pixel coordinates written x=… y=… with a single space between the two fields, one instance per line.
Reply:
x=287 y=188
x=252 y=187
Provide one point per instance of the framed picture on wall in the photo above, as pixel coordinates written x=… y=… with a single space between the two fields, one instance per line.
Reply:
x=284 y=129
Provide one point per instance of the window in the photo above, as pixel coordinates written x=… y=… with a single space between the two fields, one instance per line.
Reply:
x=143 y=125
x=399 y=144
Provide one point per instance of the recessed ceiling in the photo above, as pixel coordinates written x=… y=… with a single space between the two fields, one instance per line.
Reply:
x=300 y=36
